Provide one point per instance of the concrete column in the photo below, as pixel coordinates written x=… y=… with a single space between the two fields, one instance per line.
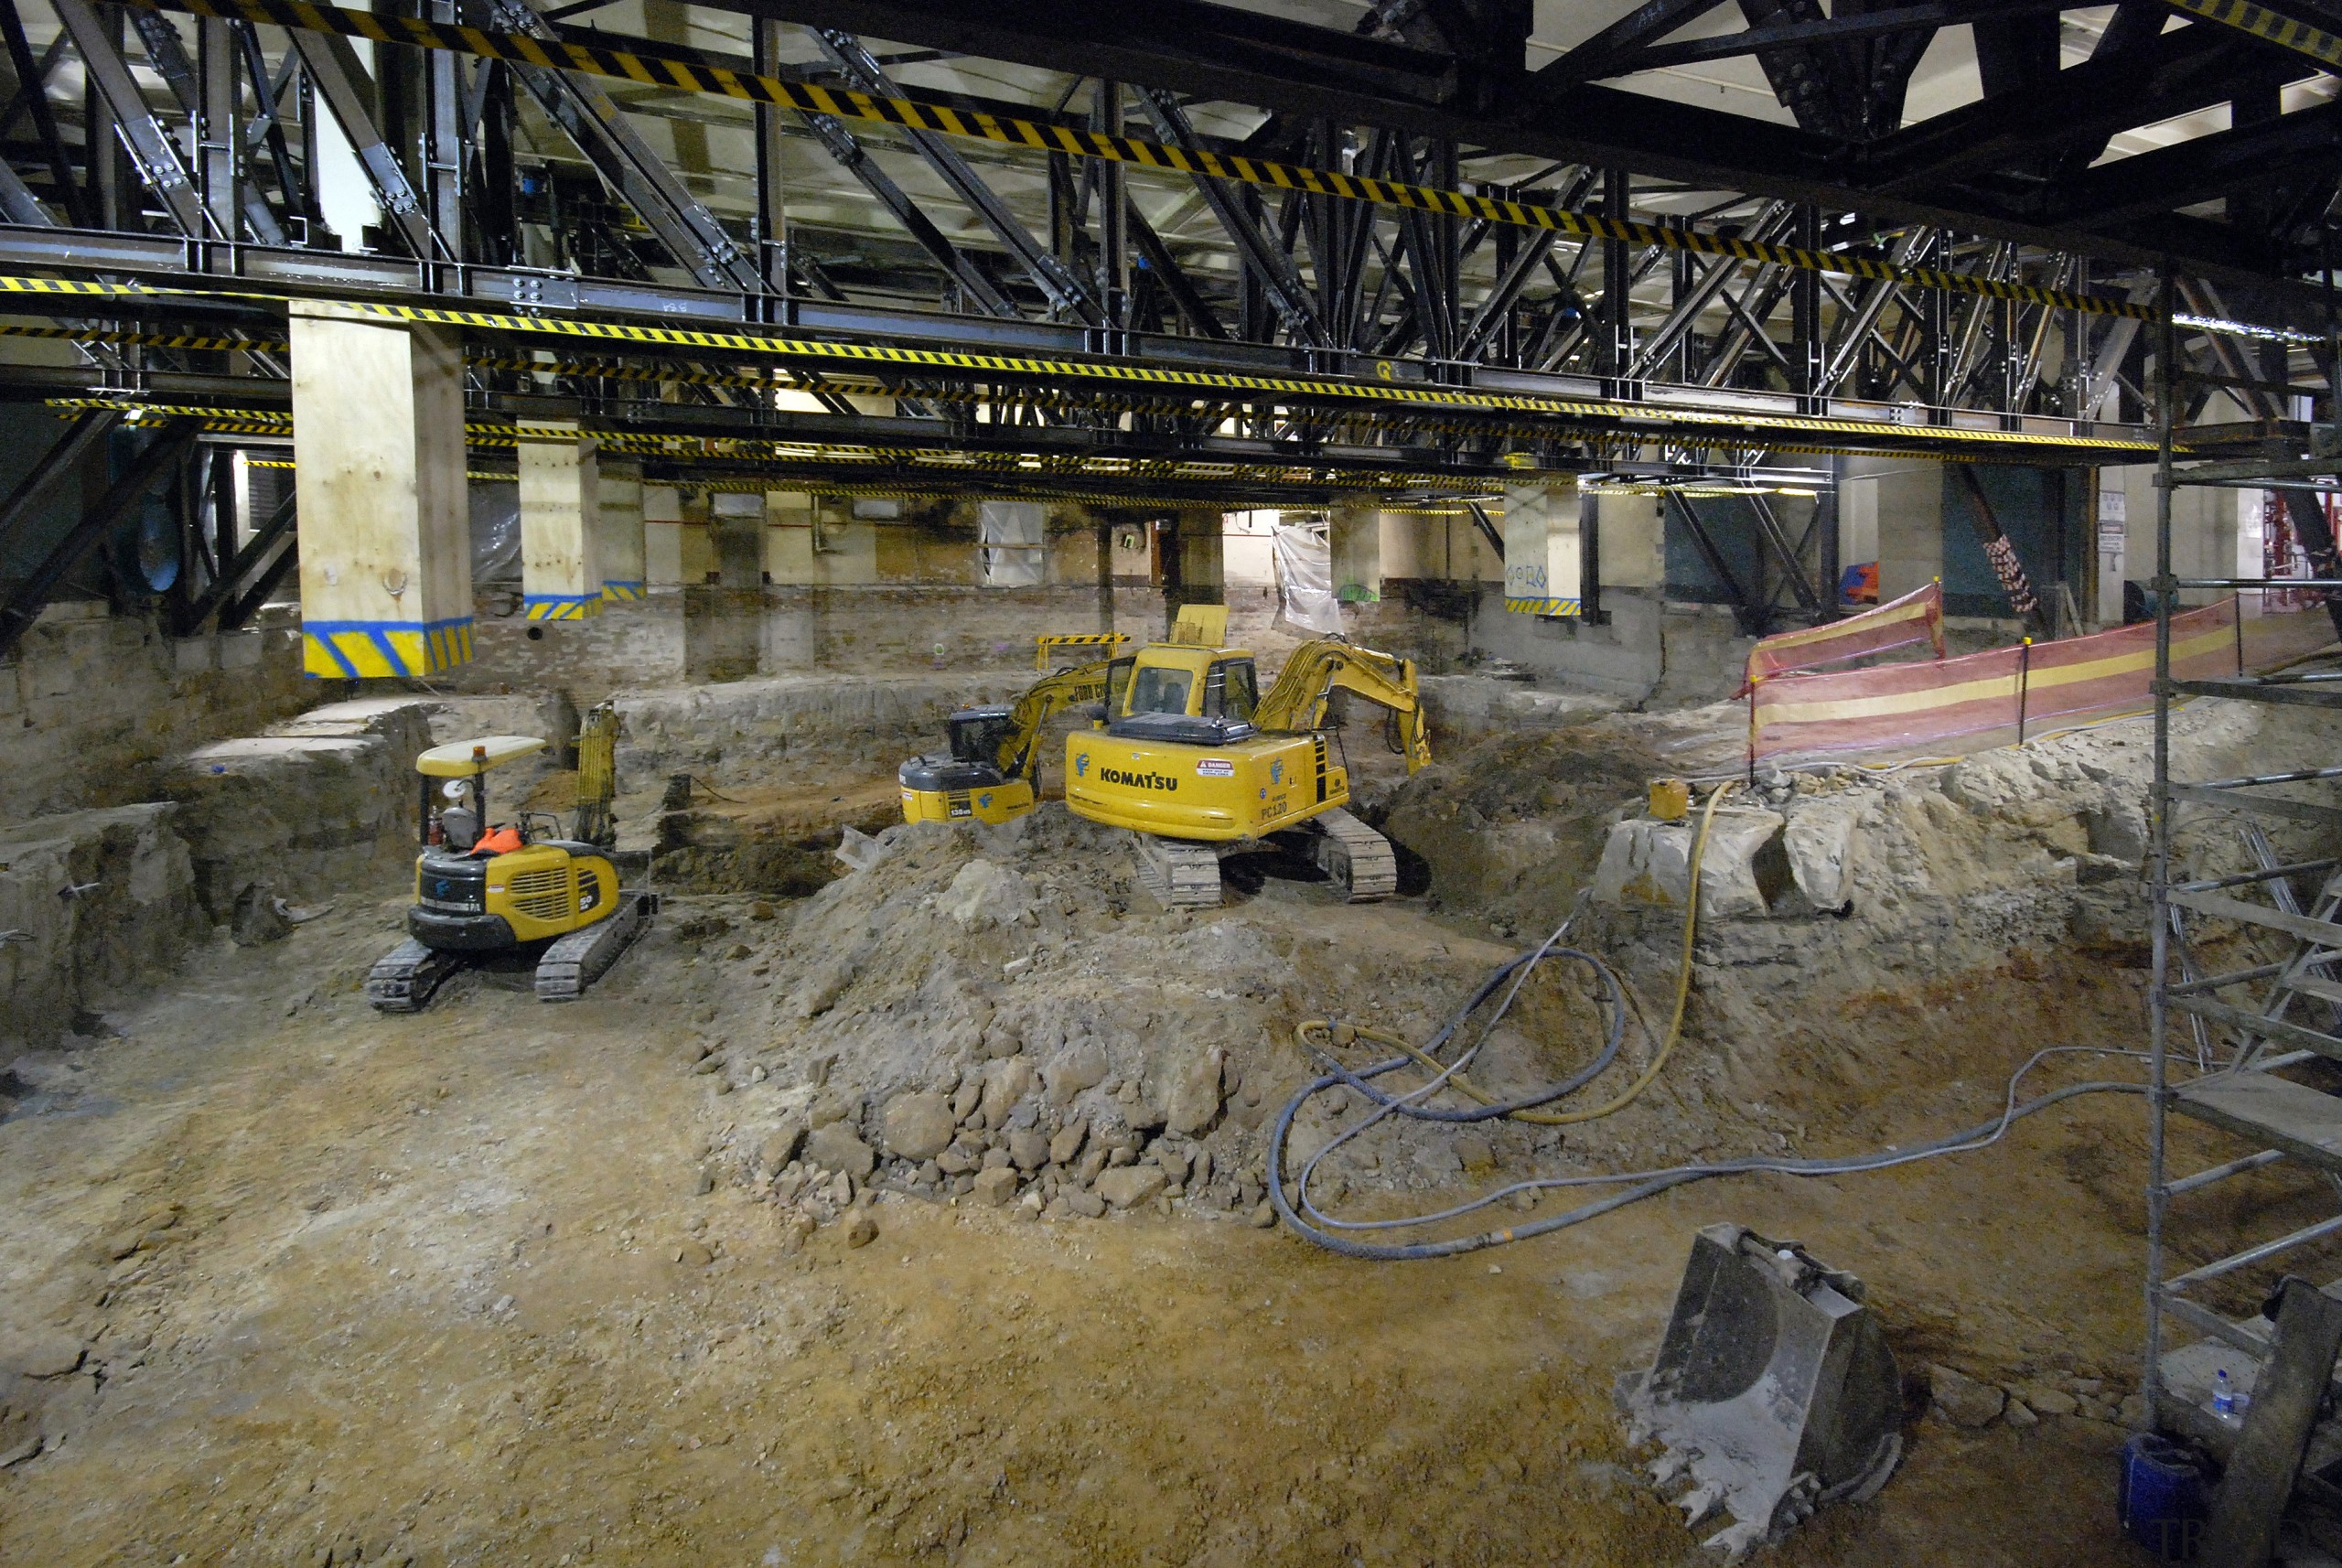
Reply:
x=386 y=559
x=1632 y=541
x=663 y=535
x=1907 y=509
x=1354 y=536
x=620 y=546
x=735 y=524
x=560 y=503
x=1202 y=572
x=1544 y=549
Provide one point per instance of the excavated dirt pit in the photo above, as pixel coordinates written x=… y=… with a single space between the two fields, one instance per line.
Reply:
x=510 y=1283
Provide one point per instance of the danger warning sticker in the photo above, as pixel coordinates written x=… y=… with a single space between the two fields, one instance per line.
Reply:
x=1215 y=767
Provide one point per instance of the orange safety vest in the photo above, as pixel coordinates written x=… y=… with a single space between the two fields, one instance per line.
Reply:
x=504 y=840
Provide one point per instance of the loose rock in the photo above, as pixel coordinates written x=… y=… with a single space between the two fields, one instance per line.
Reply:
x=861 y=1229
x=1028 y=1150
x=1964 y=1400
x=919 y=1126
x=996 y=1187
x=1127 y=1187
x=834 y=1147
x=1067 y=1145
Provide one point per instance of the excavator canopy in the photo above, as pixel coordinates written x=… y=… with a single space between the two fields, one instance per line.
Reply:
x=462 y=758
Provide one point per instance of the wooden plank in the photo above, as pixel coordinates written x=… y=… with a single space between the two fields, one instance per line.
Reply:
x=2266 y=805
x=2325 y=934
x=2297 y=695
x=2274 y=1113
x=2254 y=1024
x=2267 y=1455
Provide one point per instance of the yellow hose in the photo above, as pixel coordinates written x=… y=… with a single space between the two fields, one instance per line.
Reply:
x=1674 y=1027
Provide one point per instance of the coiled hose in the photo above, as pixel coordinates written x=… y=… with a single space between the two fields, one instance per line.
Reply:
x=1318 y=1037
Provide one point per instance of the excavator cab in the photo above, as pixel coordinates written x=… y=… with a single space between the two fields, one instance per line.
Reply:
x=967 y=783
x=992 y=771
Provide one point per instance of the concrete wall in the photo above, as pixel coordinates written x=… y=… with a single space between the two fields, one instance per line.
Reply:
x=1647 y=648
x=2214 y=533
x=92 y=705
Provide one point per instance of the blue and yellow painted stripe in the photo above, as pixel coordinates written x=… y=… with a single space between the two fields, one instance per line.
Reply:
x=383 y=649
x=1570 y=609
x=622 y=588
x=563 y=607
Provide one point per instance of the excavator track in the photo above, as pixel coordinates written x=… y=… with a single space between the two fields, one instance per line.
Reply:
x=576 y=961
x=404 y=979
x=1180 y=875
x=1356 y=857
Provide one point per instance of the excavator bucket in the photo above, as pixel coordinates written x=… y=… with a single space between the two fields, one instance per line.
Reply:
x=1774 y=1392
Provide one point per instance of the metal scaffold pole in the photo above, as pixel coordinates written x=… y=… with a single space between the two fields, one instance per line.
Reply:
x=2159 y=821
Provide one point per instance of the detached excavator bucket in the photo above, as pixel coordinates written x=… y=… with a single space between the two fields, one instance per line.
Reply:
x=1774 y=1390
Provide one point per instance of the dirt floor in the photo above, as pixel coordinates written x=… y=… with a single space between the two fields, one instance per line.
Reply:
x=429 y=1290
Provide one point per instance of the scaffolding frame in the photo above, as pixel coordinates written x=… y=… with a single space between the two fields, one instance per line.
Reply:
x=2274 y=1013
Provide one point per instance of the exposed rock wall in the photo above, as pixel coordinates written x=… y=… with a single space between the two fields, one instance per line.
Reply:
x=748 y=726
x=90 y=901
x=94 y=705
x=306 y=809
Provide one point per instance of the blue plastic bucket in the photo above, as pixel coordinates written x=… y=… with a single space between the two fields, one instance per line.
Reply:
x=2160 y=1496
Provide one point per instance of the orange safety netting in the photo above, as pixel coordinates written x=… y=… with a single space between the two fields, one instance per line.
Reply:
x=2000 y=697
x=1917 y=617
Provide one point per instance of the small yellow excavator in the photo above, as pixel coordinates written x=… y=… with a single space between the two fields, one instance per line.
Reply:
x=481 y=889
x=1192 y=757
x=992 y=773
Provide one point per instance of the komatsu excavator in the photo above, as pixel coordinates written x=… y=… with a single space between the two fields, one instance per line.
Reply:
x=481 y=889
x=1193 y=758
x=992 y=773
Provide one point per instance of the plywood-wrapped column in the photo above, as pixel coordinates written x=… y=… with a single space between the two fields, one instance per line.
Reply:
x=619 y=550
x=1544 y=549
x=561 y=504
x=378 y=446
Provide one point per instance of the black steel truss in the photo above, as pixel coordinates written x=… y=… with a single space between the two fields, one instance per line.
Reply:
x=525 y=188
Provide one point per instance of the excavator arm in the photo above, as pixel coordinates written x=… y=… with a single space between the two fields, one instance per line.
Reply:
x=1019 y=756
x=1319 y=668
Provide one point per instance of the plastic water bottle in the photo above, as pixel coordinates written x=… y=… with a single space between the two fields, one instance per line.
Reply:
x=2225 y=1401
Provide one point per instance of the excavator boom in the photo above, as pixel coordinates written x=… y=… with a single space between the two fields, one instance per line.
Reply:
x=1020 y=756
x=1319 y=668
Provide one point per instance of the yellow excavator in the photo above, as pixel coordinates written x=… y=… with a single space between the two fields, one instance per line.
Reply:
x=1192 y=756
x=992 y=772
x=483 y=888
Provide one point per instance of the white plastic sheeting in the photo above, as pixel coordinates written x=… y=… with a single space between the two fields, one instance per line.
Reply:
x=1306 y=578
x=1009 y=535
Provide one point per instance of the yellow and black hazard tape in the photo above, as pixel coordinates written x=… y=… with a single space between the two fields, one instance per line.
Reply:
x=1675 y=421
x=142 y=340
x=1374 y=420
x=620 y=65
x=2270 y=26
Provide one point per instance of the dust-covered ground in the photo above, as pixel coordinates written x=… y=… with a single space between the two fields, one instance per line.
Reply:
x=510 y=1283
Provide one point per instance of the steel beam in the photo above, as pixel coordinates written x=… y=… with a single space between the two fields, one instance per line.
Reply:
x=32 y=91
x=625 y=162
x=1065 y=291
x=1265 y=263
x=845 y=147
x=151 y=149
x=334 y=71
